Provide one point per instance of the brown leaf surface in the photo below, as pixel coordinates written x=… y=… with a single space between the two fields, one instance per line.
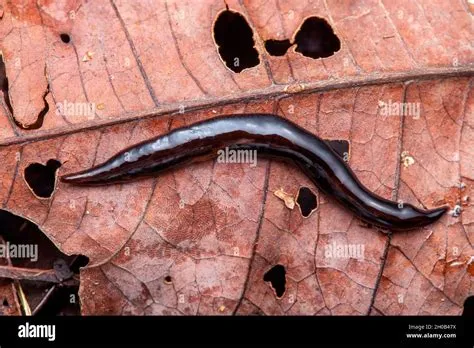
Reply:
x=216 y=229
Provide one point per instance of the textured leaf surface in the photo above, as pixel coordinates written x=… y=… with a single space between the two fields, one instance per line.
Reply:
x=214 y=228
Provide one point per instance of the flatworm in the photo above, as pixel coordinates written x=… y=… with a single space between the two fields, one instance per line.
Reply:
x=272 y=136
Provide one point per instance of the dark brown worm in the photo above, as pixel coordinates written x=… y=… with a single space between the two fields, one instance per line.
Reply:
x=269 y=135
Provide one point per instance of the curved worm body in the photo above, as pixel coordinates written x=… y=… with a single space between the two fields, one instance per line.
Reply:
x=271 y=136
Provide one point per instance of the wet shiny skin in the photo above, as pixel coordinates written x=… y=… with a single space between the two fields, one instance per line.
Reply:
x=272 y=136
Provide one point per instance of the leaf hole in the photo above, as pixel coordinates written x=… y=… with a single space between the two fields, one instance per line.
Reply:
x=4 y=84
x=316 y=39
x=307 y=201
x=41 y=179
x=234 y=39
x=64 y=301
x=277 y=278
x=340 y=147
x=6 y=96
x=277 y=48
x=5 y=303
x=79 y=262
x=468 y=307
x=65 y=38
x=28 y=247
x=168 y=280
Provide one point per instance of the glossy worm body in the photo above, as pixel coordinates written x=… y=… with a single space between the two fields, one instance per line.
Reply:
x=271 y=136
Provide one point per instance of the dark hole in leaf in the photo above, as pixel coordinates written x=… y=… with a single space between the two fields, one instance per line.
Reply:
x=307 y=201
x=277 y=47
x=468 y=307
x=79 y=262
x=65 y=38
x=316 y=39
x=341 y=147
x=277 y=278
x=6 y=96
x=39 y=121
x=42 y=178
x=5 y=303
x=4 y=84
x=63 y=301
x=26 y=245
x=38 y=252
x=168 y=279
x=234 y=37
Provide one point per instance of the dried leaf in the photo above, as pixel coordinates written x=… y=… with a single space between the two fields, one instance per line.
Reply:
x=213 y=228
